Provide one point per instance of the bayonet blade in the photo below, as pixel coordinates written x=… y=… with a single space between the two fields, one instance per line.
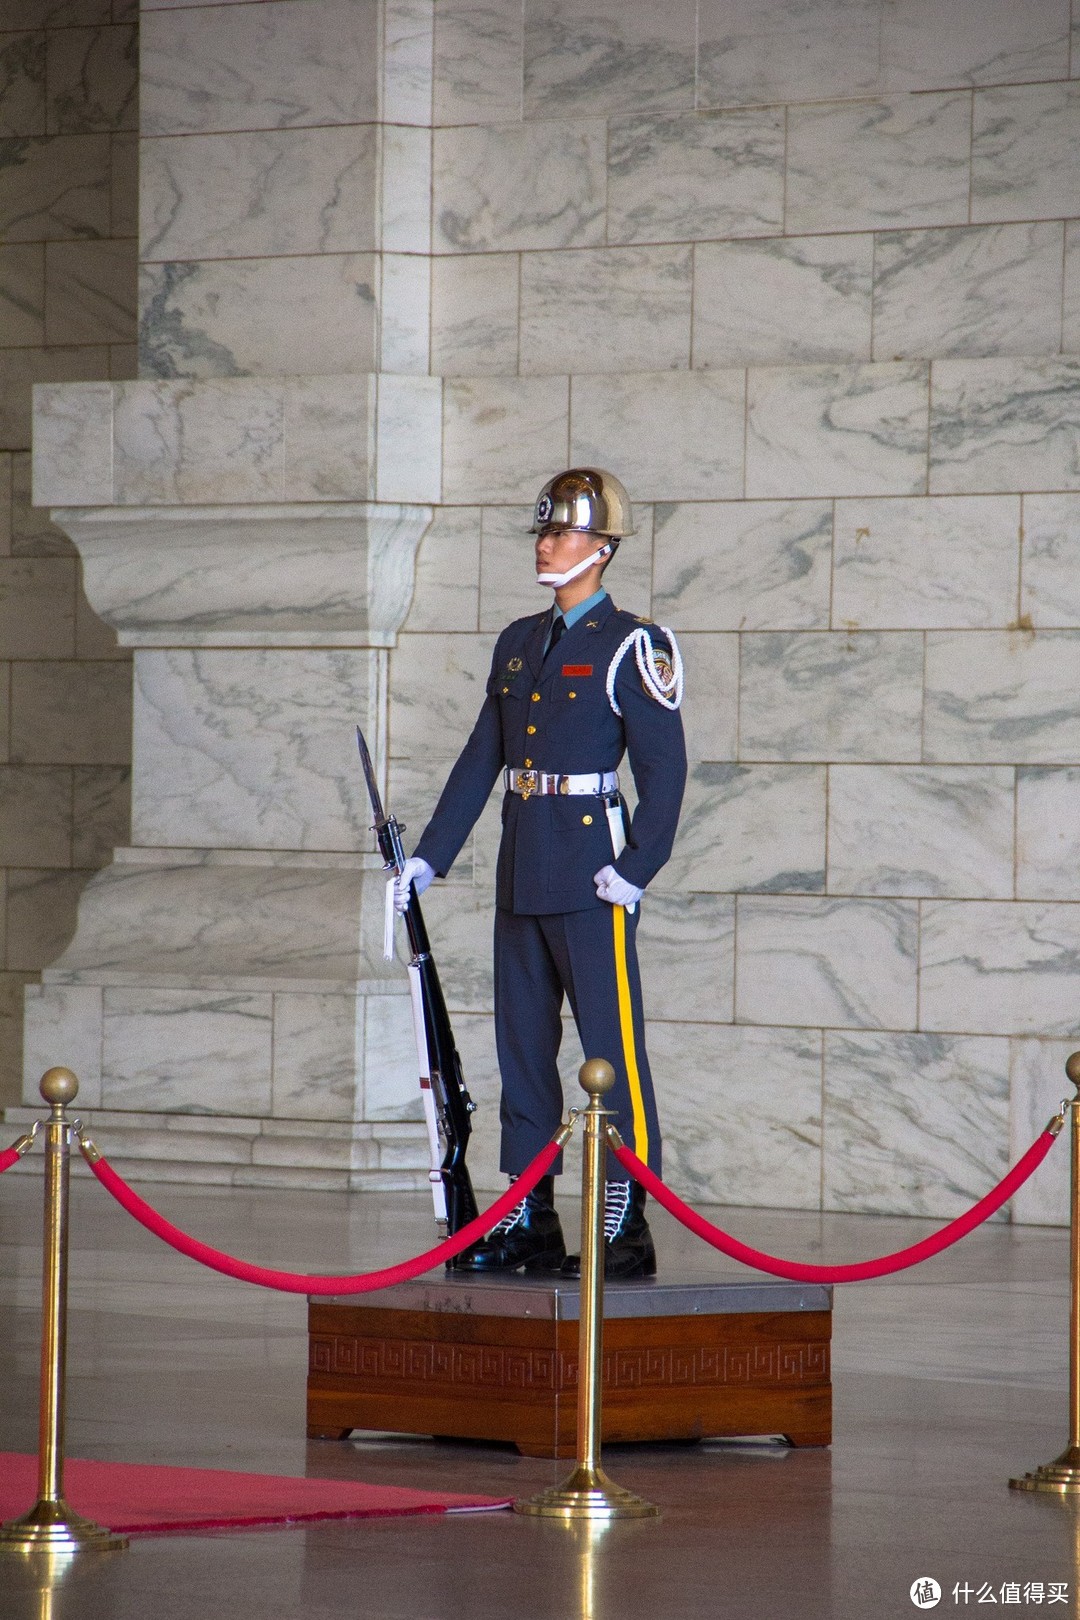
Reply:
x=369 y=777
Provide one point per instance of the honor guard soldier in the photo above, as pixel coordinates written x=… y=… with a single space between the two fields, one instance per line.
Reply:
x=571 y=691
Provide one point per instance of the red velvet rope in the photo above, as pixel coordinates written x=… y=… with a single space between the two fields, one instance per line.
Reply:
x=863 y=1269
x=292 y=1282
x=9 y=1157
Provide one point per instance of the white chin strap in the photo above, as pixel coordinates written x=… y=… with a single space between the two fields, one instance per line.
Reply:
x=557 y=580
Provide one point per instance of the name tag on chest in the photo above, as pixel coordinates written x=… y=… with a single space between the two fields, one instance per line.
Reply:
x=578 y=671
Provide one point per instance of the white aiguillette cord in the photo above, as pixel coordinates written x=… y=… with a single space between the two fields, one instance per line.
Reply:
x=389 y=918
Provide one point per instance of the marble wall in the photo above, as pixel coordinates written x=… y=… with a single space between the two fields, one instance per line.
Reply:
x=68 y=271
x=808 y=279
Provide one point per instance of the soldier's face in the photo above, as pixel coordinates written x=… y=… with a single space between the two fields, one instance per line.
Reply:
x=558 y=550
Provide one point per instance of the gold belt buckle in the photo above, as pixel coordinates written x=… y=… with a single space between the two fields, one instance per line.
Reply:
x=526 y=783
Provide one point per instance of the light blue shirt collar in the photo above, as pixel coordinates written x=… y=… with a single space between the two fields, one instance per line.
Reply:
x=581 y=608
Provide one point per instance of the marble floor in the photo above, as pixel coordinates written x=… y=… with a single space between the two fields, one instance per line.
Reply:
x=947 y=1380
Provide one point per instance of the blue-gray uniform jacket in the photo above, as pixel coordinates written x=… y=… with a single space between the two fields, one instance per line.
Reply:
x=553 y=715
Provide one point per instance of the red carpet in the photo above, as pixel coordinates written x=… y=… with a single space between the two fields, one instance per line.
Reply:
x=144 y=1499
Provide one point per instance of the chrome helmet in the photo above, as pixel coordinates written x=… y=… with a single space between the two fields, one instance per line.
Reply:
x=586 y=499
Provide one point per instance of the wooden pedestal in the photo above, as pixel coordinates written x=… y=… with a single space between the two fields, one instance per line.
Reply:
x=495 y=1359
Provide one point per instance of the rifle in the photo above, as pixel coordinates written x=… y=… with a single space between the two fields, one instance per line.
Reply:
x=447 y=1104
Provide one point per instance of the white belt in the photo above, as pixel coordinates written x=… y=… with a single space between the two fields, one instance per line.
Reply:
x=529 y=782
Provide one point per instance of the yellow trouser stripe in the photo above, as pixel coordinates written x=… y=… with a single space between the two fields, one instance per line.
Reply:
x=626 y=1027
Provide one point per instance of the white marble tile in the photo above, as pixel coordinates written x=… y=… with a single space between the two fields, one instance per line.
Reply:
x=479 y=62
x=206 y=441
x=1050 y=585
x=1048 y=832
x=408 y=440
x=250 y=748
x=1038 y=1084
x=404 y=313
x=846 y=963
x=210 y=319
x=474 y=315
x=264 y=192
x=460 y=921
x=258 y=67
x=711 y=716
x=1025 y=152
x=836 y=430
x=391 y=1078
x=681 y=433
x=926 y=44
x=783 y=50
x=447 y=590
x=675 y=929
x=73 y=463
x=186 y=1051
x=62 y=1025
x=437 y=685
x=1070 y=309
x=606 y=310
x=484 y=415
x=607 y=57
x=414 y=786
x=55 y=189
x=741 y=1113
x=407 y=61
x=1000 y=967
x=868 y=165
x=318 y=1040
x=977 y=289
x=405 y=208
x=914 y=1124
x=22 y=292
x=946 y=561
x=831 y=696
x=89 y=291
x=1005 y=424
x=21 y=369
x=944 y=830
x=750 y=829
x=512 y=186
x=737 y=565
x=683 y=177
x=328 y=430
x=1007 y=696
x=783 y=301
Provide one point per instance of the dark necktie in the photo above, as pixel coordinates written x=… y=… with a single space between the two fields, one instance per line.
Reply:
x=558 y=629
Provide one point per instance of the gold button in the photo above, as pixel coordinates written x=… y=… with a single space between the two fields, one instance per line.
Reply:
x=506 y=689
x=528 y=762
x=531 y=731
x=571 y=694
x=536 y=697
x=587 y=820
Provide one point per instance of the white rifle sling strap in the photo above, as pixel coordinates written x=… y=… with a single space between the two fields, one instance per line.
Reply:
x=435 y=1176
x=662 y=682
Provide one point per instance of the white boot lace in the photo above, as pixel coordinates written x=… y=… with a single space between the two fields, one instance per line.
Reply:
x=509 y=1221
x=616 y=1205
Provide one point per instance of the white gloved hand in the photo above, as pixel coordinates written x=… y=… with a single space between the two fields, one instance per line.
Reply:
x=615 y=889
x=416 y=873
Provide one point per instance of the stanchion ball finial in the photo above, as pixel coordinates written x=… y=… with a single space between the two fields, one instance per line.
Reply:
x=58 y=1086
x=1072 y=1068
x=596 y=1077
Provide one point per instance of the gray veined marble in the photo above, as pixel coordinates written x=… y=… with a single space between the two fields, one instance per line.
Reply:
x=750 y=829
x=1050 y=586
x=734 y=565
x=407 y=65
x=784 y=301
x=1038 y=1084
x=1000 y=967
x=1048 y=832
x=1070 y=304
x=1002 y=696
x=681 y=432
x=1005 y=424
x=843 y=963
x=829 y=695
x=976 y=290
x=446 y=593
x=483 y=415
x=264 y=67
x=711 y=717
x=836 y=430
x=479 y=64
x=930 y=44
x=474 y=315
x=437 y=685
x=22 y=292
x=913 y=1124
x=944 y=830
x=605 y=309
x=607 y=57
x=946 y=561
x=871 y=165
x=55 y=189
x=509 y=186
x=405 y=313
x=674 y=930
x=695 y=175
x=172 y=1049
x=787 y=50
x=1025 y=152
x=219 y=439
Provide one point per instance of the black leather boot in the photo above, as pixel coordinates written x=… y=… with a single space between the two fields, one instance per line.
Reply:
x=529 y=1238
x=628 y=1243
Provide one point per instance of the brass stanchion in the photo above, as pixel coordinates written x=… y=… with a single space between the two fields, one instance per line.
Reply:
x=1062 y=1476
x=587 y=1493
x=51 y=1525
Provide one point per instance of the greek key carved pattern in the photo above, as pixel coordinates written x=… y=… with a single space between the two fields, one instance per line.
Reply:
x=518 y=1368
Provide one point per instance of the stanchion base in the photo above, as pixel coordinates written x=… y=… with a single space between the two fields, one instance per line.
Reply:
x=54 y=1527
x=587 y=1494
x=1058 y=1478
